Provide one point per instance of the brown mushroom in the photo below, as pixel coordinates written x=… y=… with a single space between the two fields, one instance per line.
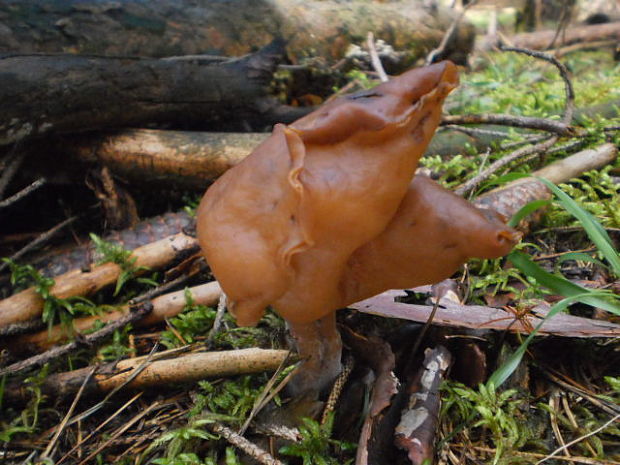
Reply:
x=432 y=234
x=283 y=227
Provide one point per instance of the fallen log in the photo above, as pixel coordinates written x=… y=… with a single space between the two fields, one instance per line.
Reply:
x=187 y=159
x=159 y=28
x=67 y=93
x=192 y=159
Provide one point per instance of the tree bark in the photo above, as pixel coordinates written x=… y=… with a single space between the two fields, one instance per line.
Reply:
x=186 y=159
x=159 y=28
x=60 y=94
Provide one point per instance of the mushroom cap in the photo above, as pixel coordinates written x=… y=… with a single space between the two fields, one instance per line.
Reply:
x=432 y=234
x=279 y=228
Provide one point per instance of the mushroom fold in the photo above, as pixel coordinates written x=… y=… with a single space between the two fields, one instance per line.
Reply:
x=280 y=228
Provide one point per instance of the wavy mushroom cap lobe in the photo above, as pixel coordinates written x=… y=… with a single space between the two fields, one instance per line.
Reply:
x=278 y=228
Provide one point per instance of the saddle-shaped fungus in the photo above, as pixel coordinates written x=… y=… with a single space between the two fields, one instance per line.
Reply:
x=281 y=228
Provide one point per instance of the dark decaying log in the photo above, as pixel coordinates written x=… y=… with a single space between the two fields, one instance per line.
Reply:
x=67 y=93
x=159 y=28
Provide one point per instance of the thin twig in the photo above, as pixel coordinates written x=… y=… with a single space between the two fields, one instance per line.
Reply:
x=534 y=455
x=424 y=329
x=499 y=164
x=258 y=454
x=579 y=439
x=473 y=132
x=90 y=339
x=41 y=239
x=607 y=407
x=569 y=105
x=430 y=58
x=134 y=374
x=526 y=122
x=217 y=323
x=23 y=193
x=159 y=290
x=374 y=58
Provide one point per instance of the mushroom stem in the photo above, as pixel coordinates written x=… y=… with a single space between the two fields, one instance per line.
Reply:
x=320 y=347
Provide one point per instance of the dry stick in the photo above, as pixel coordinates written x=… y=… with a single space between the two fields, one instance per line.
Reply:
x=534 y=455
x=23 y=193
x=28 y=304
x=264 y=401
x=188 y=368
x=480 y=132
x=553 y=418
x=217 y=323
x=597 y=45
x=246 y=446
x=196 y=366
x=579 y=439
x=448 y=35
x=152 y=355
x=525 y=122
x=65 y=420
x=374 y=57
x=603 y=405
x=87 y=340
x=164 y=306
x=161 y=289
x=499 y=164
x=41 y=239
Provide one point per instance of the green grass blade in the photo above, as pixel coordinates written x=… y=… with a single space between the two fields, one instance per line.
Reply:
x=579 y=256
x=500 y=375
x=526 y=210
x=562 y=286
x=593 y=229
